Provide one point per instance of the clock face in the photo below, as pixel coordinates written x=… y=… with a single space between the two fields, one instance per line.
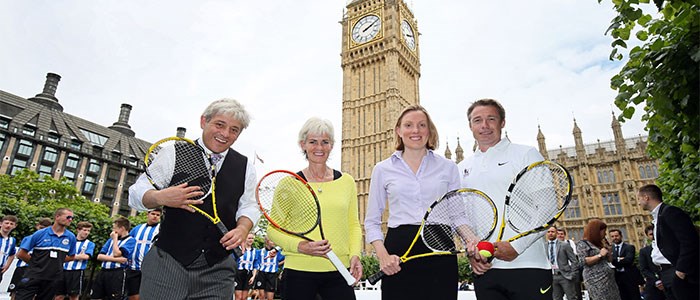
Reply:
x=408 y=35
x=366 y=29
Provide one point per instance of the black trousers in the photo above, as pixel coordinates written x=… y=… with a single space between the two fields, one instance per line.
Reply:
x=301 y=285
x=651 y=292
x=676 y=288
x=432 y=277
x=629 y=290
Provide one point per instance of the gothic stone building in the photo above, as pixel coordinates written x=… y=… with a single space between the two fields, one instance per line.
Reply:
x=103 y=162
x=606 y=177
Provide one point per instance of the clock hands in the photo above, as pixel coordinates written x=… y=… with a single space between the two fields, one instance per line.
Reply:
x=370 y=25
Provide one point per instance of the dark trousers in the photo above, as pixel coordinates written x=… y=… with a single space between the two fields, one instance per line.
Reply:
x=300 y=285
x=676 y=288
x=432 y=277
x=651 y=292
x=514 y=284
x=629 y=290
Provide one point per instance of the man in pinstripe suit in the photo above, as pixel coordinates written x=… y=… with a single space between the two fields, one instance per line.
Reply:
x=144 y=234
x=71 y=282
x=191 y=259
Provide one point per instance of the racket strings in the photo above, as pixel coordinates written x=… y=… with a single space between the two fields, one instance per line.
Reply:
x=459 y=218
x=174 y=162
x=537 y=196
x=288 y=203
x=192 y=167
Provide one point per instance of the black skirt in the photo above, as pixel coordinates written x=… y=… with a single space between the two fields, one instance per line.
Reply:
x=432 y=277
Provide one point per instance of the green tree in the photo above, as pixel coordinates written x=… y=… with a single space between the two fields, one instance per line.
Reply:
x=663 y=74
x=464 y=268
x=30 y=197
x=370 y=265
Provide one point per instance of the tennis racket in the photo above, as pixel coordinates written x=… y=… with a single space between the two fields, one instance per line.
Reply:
x=459 y=219
x=173 y=161
x=290 y=205
x=536 y=198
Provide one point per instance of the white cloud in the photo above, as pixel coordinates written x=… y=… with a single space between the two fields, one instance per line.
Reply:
x=546 y=61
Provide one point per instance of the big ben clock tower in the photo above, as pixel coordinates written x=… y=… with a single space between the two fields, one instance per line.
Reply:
x=380 y=61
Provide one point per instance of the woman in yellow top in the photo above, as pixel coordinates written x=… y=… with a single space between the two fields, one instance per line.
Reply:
x=307 y=272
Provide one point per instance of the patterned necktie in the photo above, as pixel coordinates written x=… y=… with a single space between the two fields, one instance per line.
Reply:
x=551 y=252
x=215 y=158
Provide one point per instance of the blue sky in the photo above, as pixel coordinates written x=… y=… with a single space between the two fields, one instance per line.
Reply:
x=546 y=61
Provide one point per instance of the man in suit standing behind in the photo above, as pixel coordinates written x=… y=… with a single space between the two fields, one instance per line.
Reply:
x=578 y=275
x=564 y=266
x=627 y=276
x=653 y=288
x=675 y=247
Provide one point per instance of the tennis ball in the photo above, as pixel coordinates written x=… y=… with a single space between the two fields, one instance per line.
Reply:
x=485 y=253
x=485 y=249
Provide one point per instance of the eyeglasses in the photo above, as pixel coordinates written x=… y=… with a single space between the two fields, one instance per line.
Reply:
x=69 y=217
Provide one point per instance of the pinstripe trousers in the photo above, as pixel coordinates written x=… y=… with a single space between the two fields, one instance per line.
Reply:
x=163 y=277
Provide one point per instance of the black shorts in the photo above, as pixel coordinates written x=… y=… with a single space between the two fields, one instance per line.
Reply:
x=16 y=276
x=70 y=283
x=514 y=284
x=35 y=288
x=133 y=282
x=265 y=281
x=110 y=284
x=242 y=279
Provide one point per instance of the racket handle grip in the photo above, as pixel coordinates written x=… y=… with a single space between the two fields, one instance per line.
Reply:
x=376 y=277
x=236 y=251
x=341 y=268
x=222 y=228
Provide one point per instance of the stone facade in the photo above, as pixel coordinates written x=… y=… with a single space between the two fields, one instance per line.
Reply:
x=102 y=161
x=606 y=177
x=380 y=78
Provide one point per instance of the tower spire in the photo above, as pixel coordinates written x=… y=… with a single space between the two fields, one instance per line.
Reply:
x=617 y=133
x=541 y=144
x=578 y=140
x=459 y=151
x=448 y=154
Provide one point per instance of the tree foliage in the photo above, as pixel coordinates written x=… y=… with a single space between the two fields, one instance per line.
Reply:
x=662 y=73
x=370 y=266
x=31 y=197
x=464 y=268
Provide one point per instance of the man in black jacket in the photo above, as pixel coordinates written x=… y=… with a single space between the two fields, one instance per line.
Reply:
x=675 y=247
x=653 y=287
x=627 y=276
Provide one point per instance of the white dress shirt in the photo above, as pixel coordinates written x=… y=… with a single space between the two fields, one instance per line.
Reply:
x=247 y=206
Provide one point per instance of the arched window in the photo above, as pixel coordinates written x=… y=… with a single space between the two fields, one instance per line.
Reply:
x=642 y=174
x=649 y=171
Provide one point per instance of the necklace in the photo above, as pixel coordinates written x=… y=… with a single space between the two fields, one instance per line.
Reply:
x=320 y=179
